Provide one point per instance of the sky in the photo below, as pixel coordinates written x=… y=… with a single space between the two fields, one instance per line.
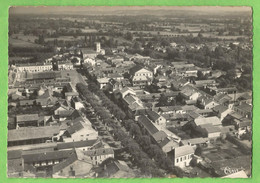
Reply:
x=107 y=9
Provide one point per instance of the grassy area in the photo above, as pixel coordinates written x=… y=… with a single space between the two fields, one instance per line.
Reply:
x=27 y=38
x=22 y=43
x=176 y=34
x=65 y=38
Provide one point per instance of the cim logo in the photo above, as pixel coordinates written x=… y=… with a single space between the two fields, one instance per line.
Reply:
x=227 y=170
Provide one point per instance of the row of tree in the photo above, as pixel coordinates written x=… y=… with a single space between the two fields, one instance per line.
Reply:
x=137 y=133
x=138 y=157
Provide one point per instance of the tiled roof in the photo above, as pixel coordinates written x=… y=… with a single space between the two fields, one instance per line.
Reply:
x=183 y=150
x=189 y=108
x=46 y=75
x=159 y=136
x=58 y=167
x=152 y=115
x=210 y=128
x=235 y=115
x=27 y=117
x=195 y=141
x=245 y=107
x=169 y=108
x=77 y=144
x=135 y=69
x=32 y=133
x=148 y=125
x=52 y=155
x=209 y=120
x=200 y=111
x=194 y=115
x=75 y=127
x=130 y=99
x=15 y=154
x=220 y=108
x=99 y=152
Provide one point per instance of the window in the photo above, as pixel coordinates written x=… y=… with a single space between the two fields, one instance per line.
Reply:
x=177 y=160
x=181 y=160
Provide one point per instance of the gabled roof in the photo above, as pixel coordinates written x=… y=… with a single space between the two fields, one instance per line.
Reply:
x=194 y=115
x=209 y=120
x=195 y=141
x=189 y=108
x=136 y=68
x=243 y=122
x=245 y=96
x=201 y=111
x=46 y=75
x=27 y=117
x=183 y=151
x=198 y=82
x=65 y=163
x=77 y=144
x=164 y=142
x=152 y=115
x=129 y=99
x=235 y=115
x=245 y=107
x=99 y=152
x=148 y=125
x=210 y=128
x=32 y=133
x=75 y=127
x=188 y=90
x=205 y=100
x=66 y=113
x=117 y=169
x=159 y=136
x=169 y=108
x=125 y=90
x=45 y=156
x=220 y=108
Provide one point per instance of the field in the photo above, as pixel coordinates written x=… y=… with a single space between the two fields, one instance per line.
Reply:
x=65 y=38
x=22 y=43
x=27 y=38
x=177 y=34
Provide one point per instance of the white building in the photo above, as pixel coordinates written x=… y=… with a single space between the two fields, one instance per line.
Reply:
x=182 y=155
x=35 y=67
x=102 y=82
x=65 y=66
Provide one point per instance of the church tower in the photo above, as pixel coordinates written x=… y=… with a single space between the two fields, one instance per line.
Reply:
x=98 y=47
